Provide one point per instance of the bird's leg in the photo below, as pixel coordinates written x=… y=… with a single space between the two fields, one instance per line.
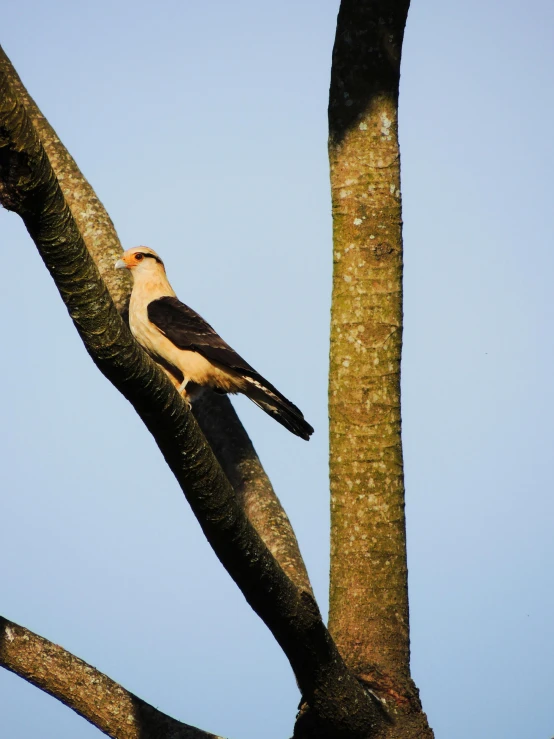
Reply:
x=183 y=393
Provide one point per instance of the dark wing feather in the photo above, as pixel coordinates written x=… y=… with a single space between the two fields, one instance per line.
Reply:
x=187 y=330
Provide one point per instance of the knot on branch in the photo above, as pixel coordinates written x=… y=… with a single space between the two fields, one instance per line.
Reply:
x=12 y=172
x=24 y=169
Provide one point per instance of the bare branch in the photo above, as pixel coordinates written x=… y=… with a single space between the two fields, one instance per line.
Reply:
x=215 y=414
x=90 y=693
x=94 y=223
x=237 y=456
x=29 y=187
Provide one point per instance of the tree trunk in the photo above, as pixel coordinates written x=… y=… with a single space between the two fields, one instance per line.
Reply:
x=368 y=592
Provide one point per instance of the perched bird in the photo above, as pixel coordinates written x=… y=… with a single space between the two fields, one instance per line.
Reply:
x=188 y=348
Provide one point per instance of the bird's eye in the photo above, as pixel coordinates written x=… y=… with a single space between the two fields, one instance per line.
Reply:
x=139 y=257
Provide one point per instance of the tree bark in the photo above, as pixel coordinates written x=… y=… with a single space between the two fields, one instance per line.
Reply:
x=368 y=614
x=339 y=705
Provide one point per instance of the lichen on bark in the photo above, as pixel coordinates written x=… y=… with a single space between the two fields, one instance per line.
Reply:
x=368 y=614
x=367 y=492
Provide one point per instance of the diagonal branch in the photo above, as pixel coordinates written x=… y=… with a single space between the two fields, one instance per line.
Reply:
x=88 y=692
x=94 y=223
x=214 y=413
x=236 y=455
x=29 y=187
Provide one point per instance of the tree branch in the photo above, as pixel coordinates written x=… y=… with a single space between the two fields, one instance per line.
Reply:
x=29 y=187
x=215 y=413
x=94 y=223
x=236 y=455
x=88 y=692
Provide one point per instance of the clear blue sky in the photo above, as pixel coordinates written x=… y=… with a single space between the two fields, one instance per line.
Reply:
x=202 y=127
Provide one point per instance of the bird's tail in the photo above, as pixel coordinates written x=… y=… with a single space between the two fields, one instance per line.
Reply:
x=270 y=400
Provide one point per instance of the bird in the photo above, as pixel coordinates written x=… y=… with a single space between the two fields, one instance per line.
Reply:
x=189 y=350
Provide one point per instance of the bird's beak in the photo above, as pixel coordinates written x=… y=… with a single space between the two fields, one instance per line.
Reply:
x=120 y=264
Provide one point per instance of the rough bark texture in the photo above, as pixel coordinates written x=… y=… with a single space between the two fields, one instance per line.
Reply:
x=94 y=223
x=337 y=701
x=226 y=435
x=91 y=694
x=368 y=590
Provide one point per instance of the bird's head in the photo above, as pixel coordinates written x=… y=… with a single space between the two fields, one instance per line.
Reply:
x=140 y=259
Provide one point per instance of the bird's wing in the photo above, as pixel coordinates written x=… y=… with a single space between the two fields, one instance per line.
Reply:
x=187 y=330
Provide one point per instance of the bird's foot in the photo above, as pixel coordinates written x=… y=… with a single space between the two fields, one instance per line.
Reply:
x=182 y=390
